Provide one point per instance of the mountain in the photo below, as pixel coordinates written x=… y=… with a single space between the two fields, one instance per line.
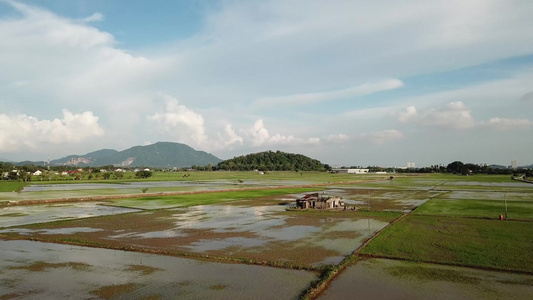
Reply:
x=158 y=155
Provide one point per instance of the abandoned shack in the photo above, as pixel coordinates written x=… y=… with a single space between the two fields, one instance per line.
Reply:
x=319 y=201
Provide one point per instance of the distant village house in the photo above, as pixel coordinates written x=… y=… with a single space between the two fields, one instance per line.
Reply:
x=319 y=201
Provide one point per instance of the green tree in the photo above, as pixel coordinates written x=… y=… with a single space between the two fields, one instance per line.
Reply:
x=143 y=174
x=455 y=167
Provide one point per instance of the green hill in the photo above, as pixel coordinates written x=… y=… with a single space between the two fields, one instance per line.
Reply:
x=272 y=161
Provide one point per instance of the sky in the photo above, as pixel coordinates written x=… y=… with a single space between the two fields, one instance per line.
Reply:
x=350 y=83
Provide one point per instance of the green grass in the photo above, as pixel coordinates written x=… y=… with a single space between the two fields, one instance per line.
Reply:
x=236 y=176
x=250 y=175
x=10 y=186
x=505 y=245
x=477 y=208
x=211 y=198
x=425 y=272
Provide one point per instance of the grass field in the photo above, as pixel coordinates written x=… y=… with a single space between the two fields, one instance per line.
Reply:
x=209 y=198
x=218 y=175
x=11 y=186
x=491 y=209
x=505 y=245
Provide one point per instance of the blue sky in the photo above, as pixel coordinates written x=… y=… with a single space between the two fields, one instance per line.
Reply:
x=346 y=82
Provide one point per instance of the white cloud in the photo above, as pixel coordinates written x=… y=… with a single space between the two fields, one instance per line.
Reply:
x=228 y=138
x=382 y=137
x=23 y=131
x=507 y=124
x=94 y=18
x=278 y=53
x=337 y=138
x=180 y=122
x=258 y=136
x=308 y=98
x=455 y=115
x=278 y=46
x=407 y=116
x=68 y=61
x=258 y=133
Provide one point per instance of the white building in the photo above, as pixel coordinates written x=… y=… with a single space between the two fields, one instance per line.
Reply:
x=350 y=171
x=514 y=164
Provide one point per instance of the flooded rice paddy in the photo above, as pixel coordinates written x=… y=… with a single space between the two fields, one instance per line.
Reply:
x=35 y=270
x=80 y=190
x=259 y=233
x=385 y=200
x=209 y=185
x=390 y=279
x=22 y=215
x=244 y=232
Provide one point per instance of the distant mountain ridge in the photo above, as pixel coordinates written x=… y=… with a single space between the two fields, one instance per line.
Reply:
x=158 y=155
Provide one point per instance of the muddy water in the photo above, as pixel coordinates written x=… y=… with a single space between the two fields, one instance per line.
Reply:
x=384 y=200
x=263 y=229
x=34 y=270
x=21 y=215
x=264 y=233
x=388 y=279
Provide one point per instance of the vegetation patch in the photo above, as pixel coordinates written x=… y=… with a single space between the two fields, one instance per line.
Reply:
x=112 y=291
x=144 y=270
x=426 y=273
x=10 y=296
x=206 y=198
x=218 y=287
x=385 y=216
x=526 y=282
x=494 y=244
x=10 y=215
x=11 y=186
x=327 y=274
x=490 y=209
x=40 y=266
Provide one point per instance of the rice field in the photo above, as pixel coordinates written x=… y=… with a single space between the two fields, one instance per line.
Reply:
x=445 y=233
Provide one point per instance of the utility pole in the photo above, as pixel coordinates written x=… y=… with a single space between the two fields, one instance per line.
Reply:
x=369 y=192
x=505 y=200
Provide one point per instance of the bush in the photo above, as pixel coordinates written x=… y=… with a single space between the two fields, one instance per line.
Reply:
x=143 y=174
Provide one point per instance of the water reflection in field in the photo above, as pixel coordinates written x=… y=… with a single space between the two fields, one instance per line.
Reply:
x=262 y=233
x=263 y=229
x=22 y=215
x=388 y=279
x=34 y=270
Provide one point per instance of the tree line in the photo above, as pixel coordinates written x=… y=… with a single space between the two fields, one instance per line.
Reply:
x=458 y=167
